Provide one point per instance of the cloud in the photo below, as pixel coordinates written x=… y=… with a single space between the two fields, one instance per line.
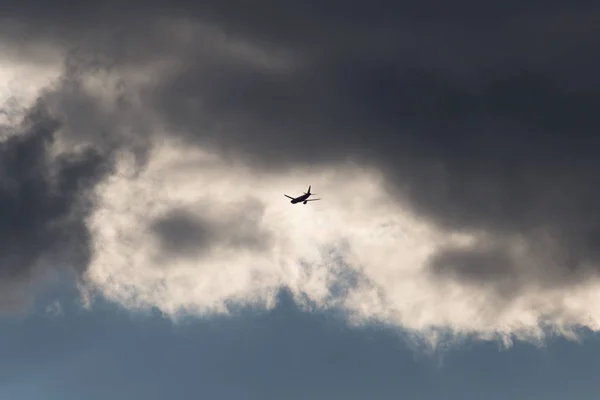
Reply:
x=54 y=309
x=44 y=201
x=182 y=233
x=456 y=159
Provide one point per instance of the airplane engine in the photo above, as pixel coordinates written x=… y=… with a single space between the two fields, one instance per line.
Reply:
x=304 y=202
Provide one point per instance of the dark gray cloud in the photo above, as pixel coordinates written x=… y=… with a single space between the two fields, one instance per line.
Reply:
x=483 y=117
x=44 y=200
x=182 y=233
x=53 y=154
x=488 y=267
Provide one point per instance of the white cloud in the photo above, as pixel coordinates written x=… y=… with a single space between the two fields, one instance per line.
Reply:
x=371 y=231
x=20 y=83
x=54 y=309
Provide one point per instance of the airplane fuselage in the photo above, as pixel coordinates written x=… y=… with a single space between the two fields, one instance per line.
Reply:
x=300 y=199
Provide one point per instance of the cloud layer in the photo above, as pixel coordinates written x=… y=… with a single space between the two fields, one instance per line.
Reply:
x=455 y=152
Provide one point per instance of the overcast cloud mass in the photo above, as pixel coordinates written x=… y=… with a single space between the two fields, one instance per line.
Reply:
x=147 y=147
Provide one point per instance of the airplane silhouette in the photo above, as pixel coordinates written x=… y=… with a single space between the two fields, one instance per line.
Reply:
x=302 y=199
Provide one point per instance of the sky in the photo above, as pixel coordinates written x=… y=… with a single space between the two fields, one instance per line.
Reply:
x=147 y=249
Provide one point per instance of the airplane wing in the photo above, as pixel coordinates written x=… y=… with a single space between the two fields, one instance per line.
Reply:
x=289 y=197
x=312 y=199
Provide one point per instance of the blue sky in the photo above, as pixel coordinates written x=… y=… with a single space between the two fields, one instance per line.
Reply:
x=108 y=352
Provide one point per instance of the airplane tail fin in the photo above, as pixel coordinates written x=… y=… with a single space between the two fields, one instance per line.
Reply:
x=308 y=190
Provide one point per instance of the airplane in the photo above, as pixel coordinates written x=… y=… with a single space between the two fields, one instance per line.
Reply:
x=304 y=198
